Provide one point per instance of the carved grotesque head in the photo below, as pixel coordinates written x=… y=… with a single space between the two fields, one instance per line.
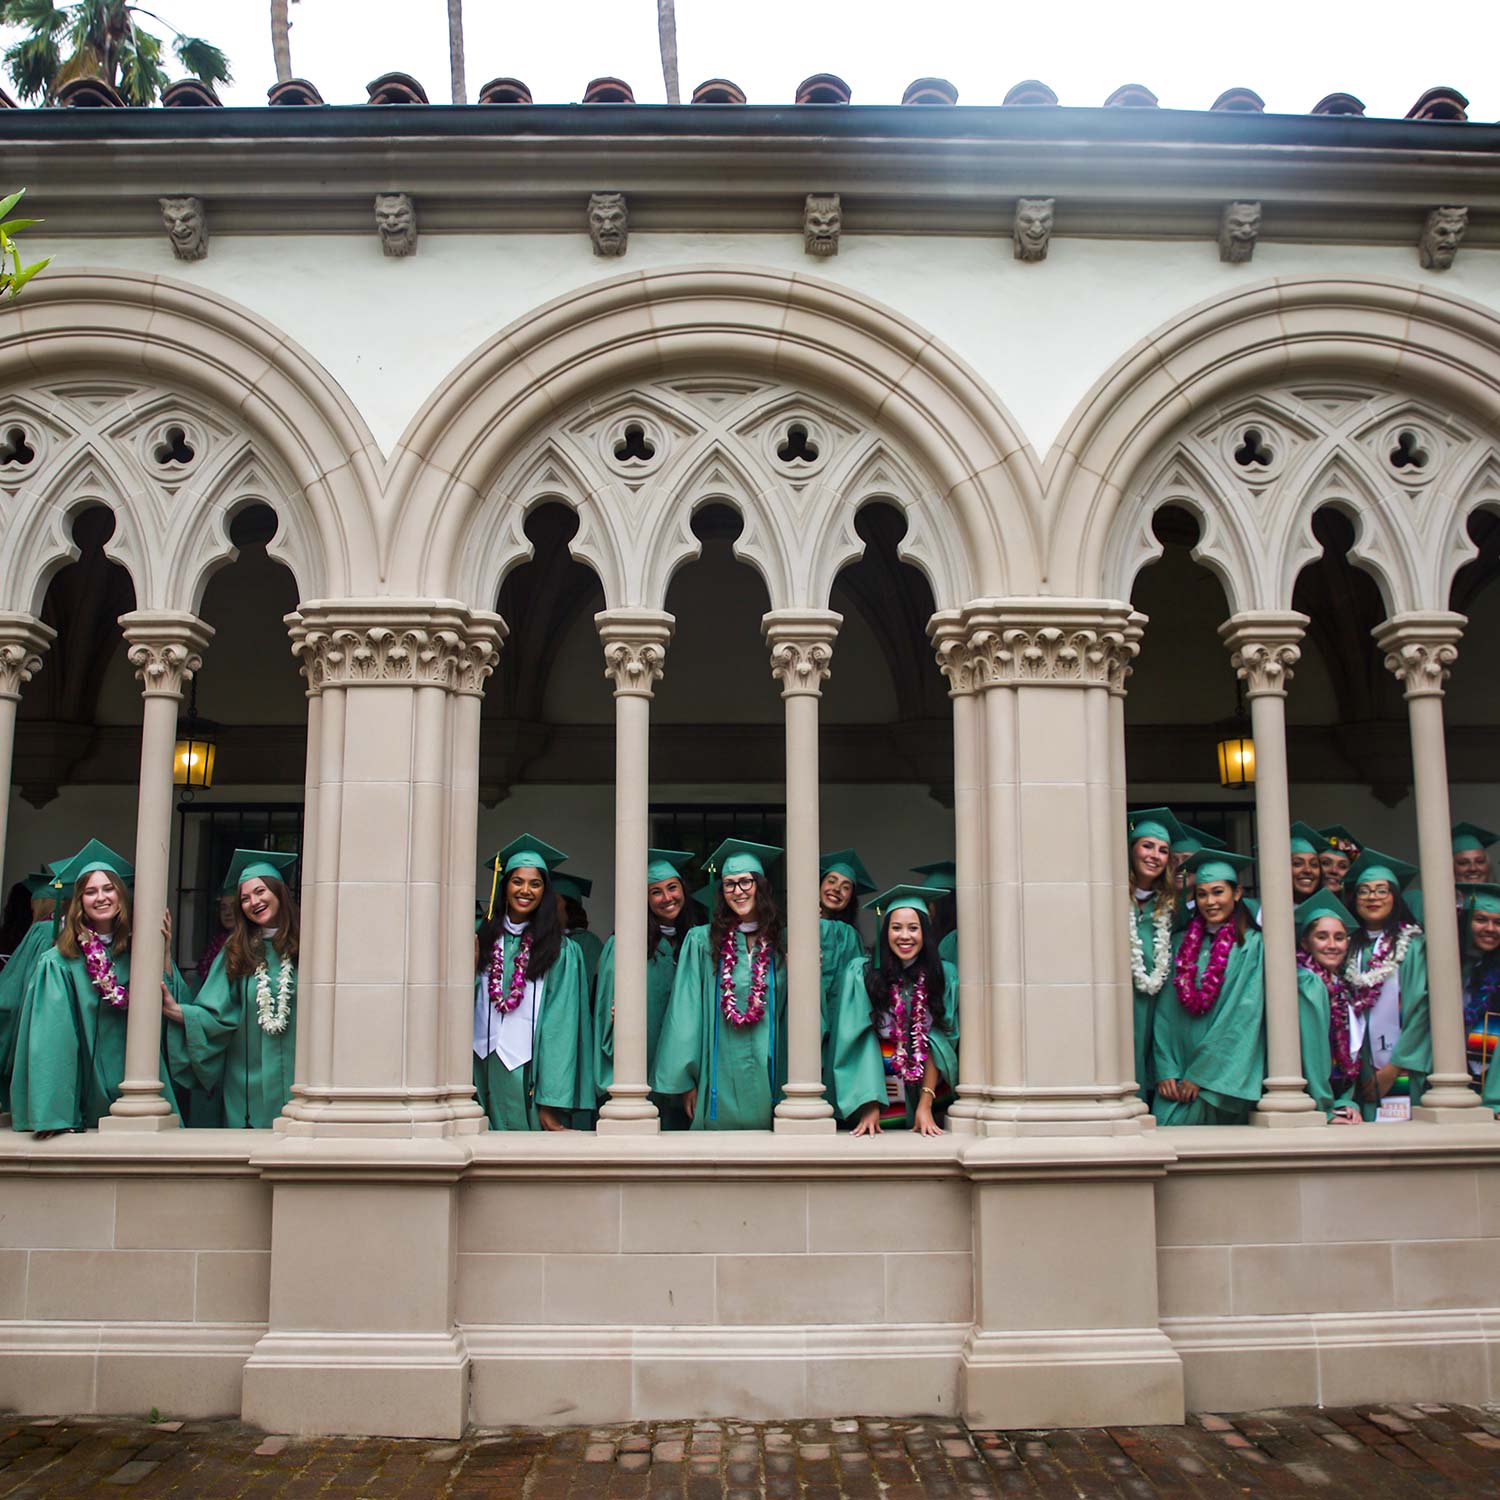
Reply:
x=1033 y=229
x=609 y=223
x=1440 y=236
x=396 y=219
x=1239 y=228
x=822 y=222
x=187 y=227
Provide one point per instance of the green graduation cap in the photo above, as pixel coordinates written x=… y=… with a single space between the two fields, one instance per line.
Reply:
x=527 y=852
x=1468 y=836
x=666 y=864
x=41 y=885
x=1218 y=864
x=942 y=875
x=1373 y=865
x=1195 y=839
x=93 y=856
x=1477 y=896
x=1155 y=823
x=578 y=887
x=1323 y=903
x=1342 y=839
x=914 y=896
x=256 y=864
x=740 y=857
x=1307 y=840
x=847 y=863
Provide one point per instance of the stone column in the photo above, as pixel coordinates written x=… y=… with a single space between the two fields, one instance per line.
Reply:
x=957 y=662
x=297 y=632
x=479 y=651
x=1420 y=648
x=801 y=644
x=635 y=647
x=23 y=639
x=1120 y=875
x=165 y=648
x=1264 y=646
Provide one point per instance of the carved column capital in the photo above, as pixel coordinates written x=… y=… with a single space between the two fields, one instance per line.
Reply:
x=1049 y=642
x=1420 y=647
x=801 y=642
x=1264 y=646
x=635 y=648
x=1134 y=633
x=166 y=648
x=23 y=641
x=395 y=643
x=957 y=658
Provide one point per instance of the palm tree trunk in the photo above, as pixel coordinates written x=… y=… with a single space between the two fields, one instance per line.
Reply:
x=281 y=39
x=456 y=50
x=666 y=28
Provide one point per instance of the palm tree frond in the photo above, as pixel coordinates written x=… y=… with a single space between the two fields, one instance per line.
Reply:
x=32 y=64
x=202 y=59
x=142 y=77
x=35 y=15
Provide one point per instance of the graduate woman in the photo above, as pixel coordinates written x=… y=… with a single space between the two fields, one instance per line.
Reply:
x=1326 y=1006
x=896 y=1035
x=844 y=880
x=1481 y=954
x=1471 y=860
x=533 y=1046
x=572 y=891
x=1156 y=911
x=1209 y=1037
x=1335 y=861
x=669 y=917
x=1388 y=967
x=237 y=1038
x=723 y=1045
x=1308 y=848
x=70 y=1040
x=15 y=977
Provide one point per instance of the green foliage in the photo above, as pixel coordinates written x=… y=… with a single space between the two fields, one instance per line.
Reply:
x=13 y=275
x=100 y=39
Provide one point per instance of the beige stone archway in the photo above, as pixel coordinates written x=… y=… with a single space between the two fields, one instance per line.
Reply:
x=797 y=329
x=324 y=466
x=1434 y=347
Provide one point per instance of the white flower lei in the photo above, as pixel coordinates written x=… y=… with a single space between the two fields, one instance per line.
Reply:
x=274 y=1019
x=1161 y=951
x=1381 y=967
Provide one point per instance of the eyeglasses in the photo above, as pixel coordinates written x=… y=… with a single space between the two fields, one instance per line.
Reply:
x=739 y=887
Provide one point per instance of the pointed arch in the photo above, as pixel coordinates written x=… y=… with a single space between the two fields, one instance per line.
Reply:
x=718 y=324
x=1387 y=336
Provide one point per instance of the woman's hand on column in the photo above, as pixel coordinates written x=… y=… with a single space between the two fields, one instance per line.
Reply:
x=923 y=1122
x=166 y=928
x=551 y=1119
x=169 y=1006
x=868 y=1119
x=1346 y=1114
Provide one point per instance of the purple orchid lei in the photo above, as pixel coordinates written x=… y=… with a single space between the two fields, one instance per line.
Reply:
x=1341 y=995
x=760 y=968
x=502 y=1001
x=1198 y=999
x=909 y=1060
x=101 y=969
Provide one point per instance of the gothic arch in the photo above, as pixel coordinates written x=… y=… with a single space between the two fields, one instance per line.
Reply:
x=1335 y=362
x=973 y=515
x=123 y=359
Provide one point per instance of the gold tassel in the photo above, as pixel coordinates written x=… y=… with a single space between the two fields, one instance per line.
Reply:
x=494 y=886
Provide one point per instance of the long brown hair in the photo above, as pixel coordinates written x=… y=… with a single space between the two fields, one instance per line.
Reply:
x=68 y=934
x=725 y=922
x=245 y=947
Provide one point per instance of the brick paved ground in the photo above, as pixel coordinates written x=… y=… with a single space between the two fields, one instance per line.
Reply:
x=1372 y=1453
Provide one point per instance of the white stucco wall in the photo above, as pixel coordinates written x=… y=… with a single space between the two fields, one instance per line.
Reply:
x=1039 y=334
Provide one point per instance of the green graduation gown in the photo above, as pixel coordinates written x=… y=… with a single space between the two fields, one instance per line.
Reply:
x=14 y=979
x=221 y=1046
x=70 y=1050
x=739 y=1071
x=948 y=948
x=840 y=946
x=560 y=1069
x=859 y=1075
x=1222 y=1051
x=661 y=969
x=1314 y=1023
x=1144 y=1006
x=592 y=949
x=1413 y=1051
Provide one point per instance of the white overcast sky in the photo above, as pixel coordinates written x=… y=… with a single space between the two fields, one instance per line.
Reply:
x=1291 y=52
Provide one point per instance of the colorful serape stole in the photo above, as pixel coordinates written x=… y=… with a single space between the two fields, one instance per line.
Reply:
x=893 y=1107
x=1483 y=1038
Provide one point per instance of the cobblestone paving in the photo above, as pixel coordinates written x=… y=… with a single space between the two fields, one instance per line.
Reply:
x=1374 y=1453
